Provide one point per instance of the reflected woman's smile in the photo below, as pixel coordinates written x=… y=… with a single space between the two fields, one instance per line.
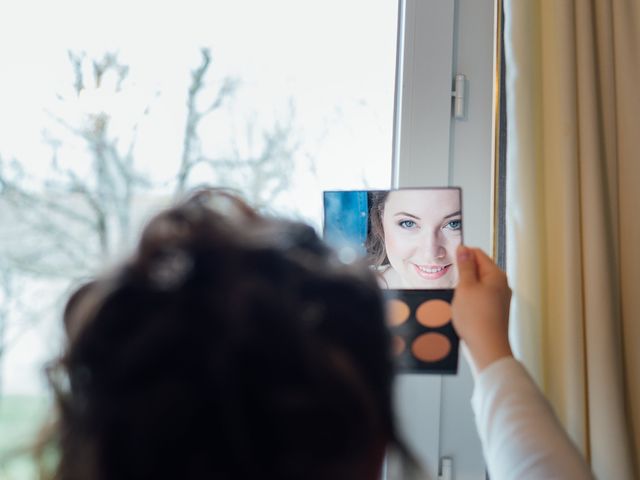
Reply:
x=422 y=229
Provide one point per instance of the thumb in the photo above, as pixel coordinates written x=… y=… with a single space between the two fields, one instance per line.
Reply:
x=467 y=267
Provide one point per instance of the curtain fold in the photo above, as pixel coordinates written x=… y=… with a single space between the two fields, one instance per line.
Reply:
x=573 y=216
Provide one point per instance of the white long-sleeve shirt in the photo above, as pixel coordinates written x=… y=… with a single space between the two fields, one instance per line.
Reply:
x=520 y=434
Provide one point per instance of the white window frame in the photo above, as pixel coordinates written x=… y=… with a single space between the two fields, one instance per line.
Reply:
x=436 y=40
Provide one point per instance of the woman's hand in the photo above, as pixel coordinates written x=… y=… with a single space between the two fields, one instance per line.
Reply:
x=481 y=307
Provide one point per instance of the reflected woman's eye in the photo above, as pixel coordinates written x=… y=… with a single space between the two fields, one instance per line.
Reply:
x=454 y=225
x=408 y=224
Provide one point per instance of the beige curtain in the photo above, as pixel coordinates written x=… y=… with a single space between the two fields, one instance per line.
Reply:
x=573 y=215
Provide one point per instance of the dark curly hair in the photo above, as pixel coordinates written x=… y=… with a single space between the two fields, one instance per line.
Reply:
x=374 y=245
x=230 y=345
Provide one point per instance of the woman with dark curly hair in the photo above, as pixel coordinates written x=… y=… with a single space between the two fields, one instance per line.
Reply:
x=231 y=345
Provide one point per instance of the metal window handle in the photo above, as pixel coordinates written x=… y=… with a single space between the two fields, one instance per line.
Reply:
x=458 y=95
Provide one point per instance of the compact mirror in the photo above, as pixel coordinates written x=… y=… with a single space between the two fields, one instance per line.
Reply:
x=408 y=236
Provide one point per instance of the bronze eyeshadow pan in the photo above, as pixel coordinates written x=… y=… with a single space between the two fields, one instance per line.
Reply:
x=423 y=338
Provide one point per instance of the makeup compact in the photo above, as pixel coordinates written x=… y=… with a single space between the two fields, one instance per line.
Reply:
x=409 y=238
x=423 y=338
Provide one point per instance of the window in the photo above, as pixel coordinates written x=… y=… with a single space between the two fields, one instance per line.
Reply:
x=111 y=109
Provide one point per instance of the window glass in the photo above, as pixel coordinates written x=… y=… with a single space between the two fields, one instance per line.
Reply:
x=111 y=109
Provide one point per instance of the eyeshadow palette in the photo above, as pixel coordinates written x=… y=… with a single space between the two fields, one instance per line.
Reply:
x=423 y=337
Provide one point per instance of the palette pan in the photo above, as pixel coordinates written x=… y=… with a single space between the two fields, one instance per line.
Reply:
x=423 y=338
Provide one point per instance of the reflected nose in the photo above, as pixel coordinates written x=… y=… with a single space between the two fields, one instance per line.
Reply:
x=433 y=247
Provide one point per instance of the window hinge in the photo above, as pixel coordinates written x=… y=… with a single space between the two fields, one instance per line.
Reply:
x=446 y=468
x=458 y=94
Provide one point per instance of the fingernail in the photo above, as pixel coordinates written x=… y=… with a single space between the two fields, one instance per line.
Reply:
x=464 y=253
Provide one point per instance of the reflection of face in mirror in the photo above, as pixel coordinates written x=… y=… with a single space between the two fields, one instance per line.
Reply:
x=413 y=238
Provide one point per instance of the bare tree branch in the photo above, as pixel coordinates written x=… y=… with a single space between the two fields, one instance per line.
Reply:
x=76 y=63
x=69 y=224
x=191 y=140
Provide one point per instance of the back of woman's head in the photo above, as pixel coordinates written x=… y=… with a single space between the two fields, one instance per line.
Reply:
x=230 y=345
